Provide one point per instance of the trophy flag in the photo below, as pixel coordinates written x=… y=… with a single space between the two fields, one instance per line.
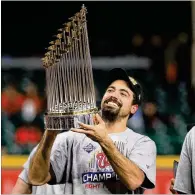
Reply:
x=69 y=76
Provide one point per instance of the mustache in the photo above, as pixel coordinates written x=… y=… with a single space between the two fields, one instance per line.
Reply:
x=114 y=100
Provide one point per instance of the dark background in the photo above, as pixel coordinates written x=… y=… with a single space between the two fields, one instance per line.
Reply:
x=27 y=27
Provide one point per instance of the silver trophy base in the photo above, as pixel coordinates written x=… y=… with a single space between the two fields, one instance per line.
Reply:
x=64 y=121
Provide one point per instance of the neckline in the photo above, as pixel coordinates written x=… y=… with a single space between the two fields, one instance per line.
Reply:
x=119 y=132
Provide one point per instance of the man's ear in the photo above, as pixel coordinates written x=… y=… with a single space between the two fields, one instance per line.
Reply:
x=134 y=108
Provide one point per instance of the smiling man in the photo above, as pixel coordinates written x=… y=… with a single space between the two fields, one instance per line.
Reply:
x=104 y=158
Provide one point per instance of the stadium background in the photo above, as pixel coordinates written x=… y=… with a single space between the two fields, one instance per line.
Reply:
x=151 y=40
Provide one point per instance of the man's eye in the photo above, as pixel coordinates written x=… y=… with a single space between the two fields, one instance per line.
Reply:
x=109 y=90
x=124 y=94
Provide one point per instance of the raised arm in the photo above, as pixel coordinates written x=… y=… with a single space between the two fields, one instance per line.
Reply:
x=39 y=170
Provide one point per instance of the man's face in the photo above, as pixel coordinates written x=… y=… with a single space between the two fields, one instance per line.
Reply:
x=117 y=101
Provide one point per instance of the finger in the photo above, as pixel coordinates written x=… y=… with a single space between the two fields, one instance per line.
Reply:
x=85 y=126
x=95 y=120
x=81 y=131
x=172 y=181
x=99 y=118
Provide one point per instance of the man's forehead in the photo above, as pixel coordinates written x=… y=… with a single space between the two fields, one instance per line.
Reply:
x=120 y=84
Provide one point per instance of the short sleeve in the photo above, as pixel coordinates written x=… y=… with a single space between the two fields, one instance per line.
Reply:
x=183 y=180
x=24 y=176
x=143 y=155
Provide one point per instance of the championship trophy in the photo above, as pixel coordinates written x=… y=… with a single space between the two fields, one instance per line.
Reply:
x=69 y=77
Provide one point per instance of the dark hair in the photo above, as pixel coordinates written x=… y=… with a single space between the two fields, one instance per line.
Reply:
x=133 y=103
x=134 y=99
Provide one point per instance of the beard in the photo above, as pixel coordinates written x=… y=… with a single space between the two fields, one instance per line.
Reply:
x=109 y=113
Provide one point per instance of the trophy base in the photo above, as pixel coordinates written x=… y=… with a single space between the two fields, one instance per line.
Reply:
x=64 y=122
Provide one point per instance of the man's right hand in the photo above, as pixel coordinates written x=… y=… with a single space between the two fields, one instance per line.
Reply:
x=171 y=186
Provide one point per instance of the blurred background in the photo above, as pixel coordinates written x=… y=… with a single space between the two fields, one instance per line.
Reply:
x=153 y=41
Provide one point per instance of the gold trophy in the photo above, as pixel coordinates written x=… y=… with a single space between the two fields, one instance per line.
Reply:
x=69 y=77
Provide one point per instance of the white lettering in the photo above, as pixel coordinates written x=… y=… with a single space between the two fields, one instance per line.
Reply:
x=84 y=178
x=89 y=177
x=117 y=178
x=108 y=175
x=98 y=177
x=95 y=177
x=101 y=176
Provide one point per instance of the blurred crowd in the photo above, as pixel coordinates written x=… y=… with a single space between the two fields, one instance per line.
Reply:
x=22 y=124
x=168 y=103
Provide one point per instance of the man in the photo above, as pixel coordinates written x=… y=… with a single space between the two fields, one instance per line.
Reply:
x=103 y=158
x=185 y=176
x=23 y=186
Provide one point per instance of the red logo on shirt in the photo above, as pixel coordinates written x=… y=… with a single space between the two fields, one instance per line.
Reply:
x=102 y=160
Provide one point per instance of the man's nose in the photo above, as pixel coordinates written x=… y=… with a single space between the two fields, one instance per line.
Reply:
x=116 y=94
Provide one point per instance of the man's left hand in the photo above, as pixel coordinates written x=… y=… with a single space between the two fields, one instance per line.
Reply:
x=96 y=132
